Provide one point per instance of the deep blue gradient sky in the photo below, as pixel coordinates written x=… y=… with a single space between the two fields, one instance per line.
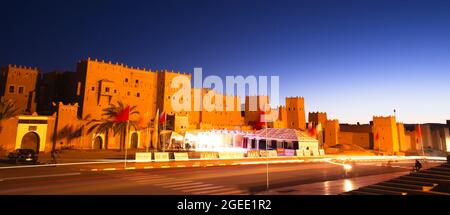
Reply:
x=352 y=59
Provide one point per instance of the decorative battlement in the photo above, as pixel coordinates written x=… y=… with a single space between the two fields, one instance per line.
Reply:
x=22 y=67
x=68 y=107
x=89 y=59
x=318 y=113
x=296 y=97
x=384 y=117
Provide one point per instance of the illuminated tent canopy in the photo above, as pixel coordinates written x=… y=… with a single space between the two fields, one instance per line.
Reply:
x=282 y=138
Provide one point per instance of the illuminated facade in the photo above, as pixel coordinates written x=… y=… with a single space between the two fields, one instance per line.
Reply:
x=19 y=83
x=295 y=113
x=67 y=101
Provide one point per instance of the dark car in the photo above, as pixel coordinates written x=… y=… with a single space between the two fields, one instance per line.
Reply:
x=23 y=156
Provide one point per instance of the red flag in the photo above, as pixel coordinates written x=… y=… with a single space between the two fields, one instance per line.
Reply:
x=419 y=131
x=123 y=115
x=262 y=120
x=162 y=118
x=312 y=130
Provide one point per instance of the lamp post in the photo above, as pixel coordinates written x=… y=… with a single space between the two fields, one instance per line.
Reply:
x=55 y=129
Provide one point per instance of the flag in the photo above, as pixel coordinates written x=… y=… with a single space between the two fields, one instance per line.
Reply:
x=262 y=120
x=162 y=118
x=419 y=131
x=319 y=127
x=311 y=130
x=155 y=128
x=123 y=115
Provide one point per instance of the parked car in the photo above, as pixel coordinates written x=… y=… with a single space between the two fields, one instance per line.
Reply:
x=23 y=156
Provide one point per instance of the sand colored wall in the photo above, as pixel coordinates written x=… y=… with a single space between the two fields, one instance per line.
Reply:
x=252 y=115
x=355 y=138
x=331 y=132
x=295 y=108
x=23 y=82
x=386 y=127
x=8 y=135
x=105 y=83
x=403 y=147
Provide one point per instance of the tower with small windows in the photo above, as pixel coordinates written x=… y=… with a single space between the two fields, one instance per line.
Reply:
x=295 y=112
x=18 y=83
x=101 y=84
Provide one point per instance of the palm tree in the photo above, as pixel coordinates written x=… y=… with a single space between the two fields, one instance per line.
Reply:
x=8 y=109
x=109 y=123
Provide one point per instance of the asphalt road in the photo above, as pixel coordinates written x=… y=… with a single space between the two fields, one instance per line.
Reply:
x=213 y=180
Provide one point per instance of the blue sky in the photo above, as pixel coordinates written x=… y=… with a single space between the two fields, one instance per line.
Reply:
x=352 y=59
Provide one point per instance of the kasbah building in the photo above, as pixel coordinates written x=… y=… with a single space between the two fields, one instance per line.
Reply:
x=56 y=107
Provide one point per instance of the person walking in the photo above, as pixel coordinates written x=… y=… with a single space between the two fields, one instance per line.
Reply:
x=417 y=166
x=53 y=154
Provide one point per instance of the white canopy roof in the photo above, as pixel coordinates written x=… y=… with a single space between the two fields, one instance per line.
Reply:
x=281 y=134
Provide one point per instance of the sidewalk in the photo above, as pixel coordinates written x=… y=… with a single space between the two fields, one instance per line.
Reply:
x=333 y=187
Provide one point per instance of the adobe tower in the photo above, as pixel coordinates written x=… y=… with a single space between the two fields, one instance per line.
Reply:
x=295 y=111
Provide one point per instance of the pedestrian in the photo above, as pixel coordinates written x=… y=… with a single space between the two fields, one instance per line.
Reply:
x=53 y=154
x=417 y=166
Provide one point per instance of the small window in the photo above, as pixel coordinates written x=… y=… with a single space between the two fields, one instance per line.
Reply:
x=115 y=91
x=11 y=89
x=294 y=109
x=168 y=97
x=128 y=93
x=289 y=109
x=107 y=89
x=126 y=80
x=93 y=88
x=138 y=94
x=20 y=90
x=137 y=81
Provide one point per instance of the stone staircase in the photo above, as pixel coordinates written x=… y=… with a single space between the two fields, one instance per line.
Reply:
x=433 y=181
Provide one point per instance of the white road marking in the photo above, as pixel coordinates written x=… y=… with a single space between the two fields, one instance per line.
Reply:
x=173 y=183
x=193 y=187
x=183 y=185
x=40 y=176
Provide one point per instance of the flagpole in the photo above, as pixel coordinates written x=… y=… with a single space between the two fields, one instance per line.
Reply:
x=267 y=154
x=126 y=148
x=148 y=135
x=148 y=138
x=267 y=161
x=164 y=143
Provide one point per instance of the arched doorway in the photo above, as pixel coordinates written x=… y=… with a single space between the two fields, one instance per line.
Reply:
x=134 y=140
x=98 y=142
x=30 y=141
